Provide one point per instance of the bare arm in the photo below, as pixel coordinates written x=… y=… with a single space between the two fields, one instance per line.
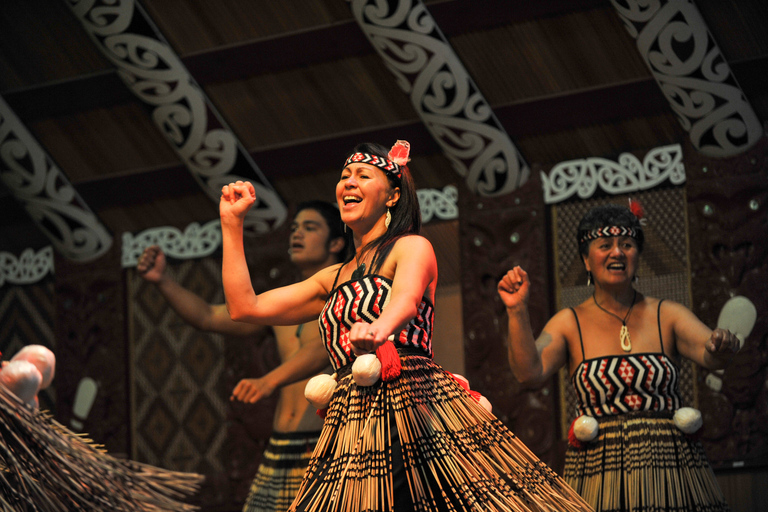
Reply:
x=697 y=342
x=189 y=306
x=308 y=361
x=532 y=362
x=415 y=277
x=289 y=305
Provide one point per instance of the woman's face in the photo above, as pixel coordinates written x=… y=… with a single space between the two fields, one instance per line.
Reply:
x=363 y=194
x=612 y=260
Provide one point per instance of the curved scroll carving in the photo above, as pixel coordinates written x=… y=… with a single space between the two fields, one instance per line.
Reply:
x=195 y=242
x=628 y=174
x=438 y=203
x=444 y=95
x=46 y=193
x=28 y=268
x=685 y=60
x=155 y=74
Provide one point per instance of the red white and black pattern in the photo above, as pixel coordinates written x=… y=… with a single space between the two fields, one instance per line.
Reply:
x=614 y=385
x=384 y=164
x=363 y=300
x=607 y=231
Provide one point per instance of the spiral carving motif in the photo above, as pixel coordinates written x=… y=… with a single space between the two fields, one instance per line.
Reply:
x=195 y=242
x=628 y=174
x=154 y=73
x=438 y=203
x=693 y=75
x=28 y=268
x=46 y=193
x=444 y=95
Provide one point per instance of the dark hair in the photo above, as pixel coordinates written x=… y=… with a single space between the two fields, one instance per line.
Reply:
x=406 y=215
x=608 y=215
x=330 y=213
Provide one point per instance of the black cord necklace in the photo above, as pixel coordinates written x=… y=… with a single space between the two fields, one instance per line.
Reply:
x=359 y=272
x=626 y=342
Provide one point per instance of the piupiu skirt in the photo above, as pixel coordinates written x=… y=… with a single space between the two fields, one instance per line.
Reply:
x=46 y=467
x=642 y=462
x=281 y=471
x=421 y=442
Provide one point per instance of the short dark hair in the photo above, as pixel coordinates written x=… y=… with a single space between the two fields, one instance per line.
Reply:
x=406 y=215
x=332 y=218
x=608 y=215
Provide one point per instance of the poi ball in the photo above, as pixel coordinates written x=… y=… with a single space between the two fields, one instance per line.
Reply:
x=485 y=403
x=319 y=390
x=462 y=380
x=42 y=358
x=366 y=370
x=688 y=419
x=23 y=379
x=585 y=428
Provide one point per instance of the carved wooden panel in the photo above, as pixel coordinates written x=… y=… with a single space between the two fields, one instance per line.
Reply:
x=495 y=235
x=728 y=217
x=91 y=342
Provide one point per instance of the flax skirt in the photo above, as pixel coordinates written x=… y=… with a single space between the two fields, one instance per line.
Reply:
x=281 y=470
x=642 y=462
x=421 y=442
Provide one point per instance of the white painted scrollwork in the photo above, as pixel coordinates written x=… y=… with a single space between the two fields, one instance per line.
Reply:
x=46 y=193
x=693 y=75
x=29 y=268
x=195 y=241
x=155 y=74
x=444 y=95
x=628 y=174
x=441 y=204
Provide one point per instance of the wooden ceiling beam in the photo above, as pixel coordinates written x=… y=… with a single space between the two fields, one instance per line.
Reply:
x=275 y=54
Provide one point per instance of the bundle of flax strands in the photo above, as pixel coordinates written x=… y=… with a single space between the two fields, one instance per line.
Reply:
x=46 y=467
x=456 y=455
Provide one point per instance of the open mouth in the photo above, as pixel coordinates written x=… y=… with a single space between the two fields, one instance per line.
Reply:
x=617 y=266
x=351 y=199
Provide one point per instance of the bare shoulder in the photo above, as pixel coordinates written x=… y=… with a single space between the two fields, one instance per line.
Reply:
x=411 y=242
x=326 y=277
x=561 y=322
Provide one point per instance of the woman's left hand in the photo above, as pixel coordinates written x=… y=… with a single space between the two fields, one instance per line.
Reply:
x=365 y=338
x=722 y=341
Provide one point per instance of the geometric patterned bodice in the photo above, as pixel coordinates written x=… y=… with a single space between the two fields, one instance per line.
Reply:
x=612 y=385
x=363 y=300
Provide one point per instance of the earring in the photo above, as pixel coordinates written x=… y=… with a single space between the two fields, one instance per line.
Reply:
x=345 y=228
x=589 y=278
x=636 y=279
x=388 y=219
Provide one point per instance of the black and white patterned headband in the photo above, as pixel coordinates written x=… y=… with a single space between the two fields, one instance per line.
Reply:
x=394 y=164
x=606 y=231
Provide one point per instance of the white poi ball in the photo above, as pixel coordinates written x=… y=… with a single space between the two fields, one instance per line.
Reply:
x=688 y=419
x=42 y=358
x=485 y=403
x=23 y=379
x=319 y=390
x=462 y=380
x=366 y=370
x=585 y=428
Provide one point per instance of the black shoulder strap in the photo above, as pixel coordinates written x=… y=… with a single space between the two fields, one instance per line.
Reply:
x=578 y=326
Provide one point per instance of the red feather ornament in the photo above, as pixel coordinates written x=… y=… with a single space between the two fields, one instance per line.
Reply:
x=399 y=152
x=636 y=208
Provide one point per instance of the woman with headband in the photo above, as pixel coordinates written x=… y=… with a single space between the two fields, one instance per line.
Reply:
x=413 y=439
x=631 y=448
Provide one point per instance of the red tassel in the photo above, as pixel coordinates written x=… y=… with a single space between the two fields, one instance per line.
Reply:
x=322 y=412
x=636 y=208
x=573 y=440
x=475 y=394
x=390 y=361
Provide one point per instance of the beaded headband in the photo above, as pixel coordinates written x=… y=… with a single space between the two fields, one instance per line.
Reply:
x=606 y=231
x=396 y=160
